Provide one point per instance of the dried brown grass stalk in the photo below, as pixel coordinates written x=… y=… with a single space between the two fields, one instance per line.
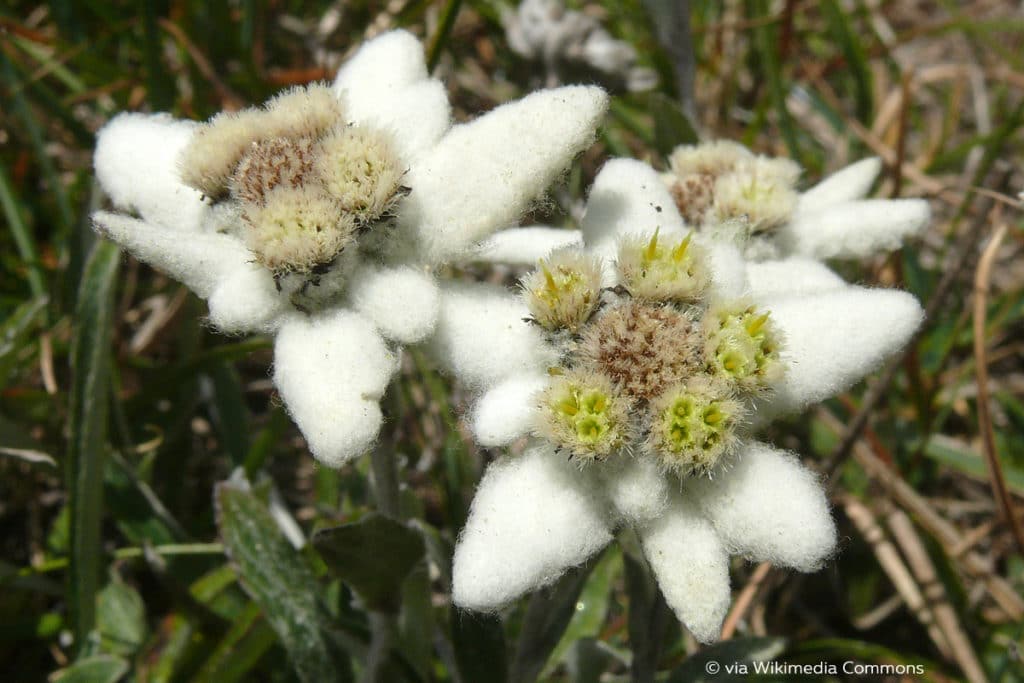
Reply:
x=945 y=616
x=982 y=277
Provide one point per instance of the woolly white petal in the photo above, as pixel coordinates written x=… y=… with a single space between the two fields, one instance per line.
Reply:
x=482 y=175
x=852 y=182
x=481 y=336
x=506 y=412
x=416 y=115
x=691 y=566
x=381 y=67
x=533 y=517
x=790 y=276
x=402 y=302
x=199 y=260
x=136 y=162
x=247 y=301
x=855 y=229
x=331 y=370
x=524 y=246
x=832 y=340
x=728 y=271
x=768 y=507
x=637 y=487
x=628 y=197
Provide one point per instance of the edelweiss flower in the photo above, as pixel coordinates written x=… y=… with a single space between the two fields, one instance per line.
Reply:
x=722 y=186
x=318 y=217
x=645 y=362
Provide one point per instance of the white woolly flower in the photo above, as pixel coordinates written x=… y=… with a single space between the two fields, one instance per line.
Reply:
x=642 y=412
x=719 y=186
x=318 y=217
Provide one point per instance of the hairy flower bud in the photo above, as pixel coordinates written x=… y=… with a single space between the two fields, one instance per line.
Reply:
x=693 y=425
x=564 y=291
x=581 y=413
x=663 y=270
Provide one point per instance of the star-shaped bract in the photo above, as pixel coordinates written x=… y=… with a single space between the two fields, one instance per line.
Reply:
x=537 y=514
x=334 y=358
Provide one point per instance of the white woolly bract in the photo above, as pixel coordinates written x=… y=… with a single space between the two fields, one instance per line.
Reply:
x=468 y=187
x=481 y=335
x=247 y=301
x=768 y=508
x=381 y=67
x=852 y=182
x=199 y=260
x=790 y=277
x=833 y=339
x=691 y=566
x=533 y=516
x=136 y=163
x=627 y=198
x=508 y=411
x=331 y=370
x=636 y=486
x=403 y=302
x=385 y=85
x=524 y=246
x=855 y=229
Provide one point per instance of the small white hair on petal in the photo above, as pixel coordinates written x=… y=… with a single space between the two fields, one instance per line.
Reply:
x=332 y=370
x=507 y=411
x=728 y=271
x=769 y=508
x=533 y=517
x=628 y=197
x=382 y=66
x=790 y=277
x=403 y=302
x=247 y=301
x=691 y=566
x=524 y=246
x=834 y=339
x=483 y=174
x=852 y=182
x=199 y=260
x=637 y=487
x=855 y=229
x=482 y=336
x=416 y=116
x=136 y=162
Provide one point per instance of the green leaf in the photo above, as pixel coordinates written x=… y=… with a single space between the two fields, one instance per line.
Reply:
x=952 y=454
x=648 y=617
x=547 y=616
x=240 y=650
x=98 y=669
x=671 y=127
x=699 y=667
x=591 y=608
x=373 y=556
x=90 y=365
x=120 y=618
x=281 y=581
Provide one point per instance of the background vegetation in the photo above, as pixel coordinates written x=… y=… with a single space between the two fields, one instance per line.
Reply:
x=122 y=416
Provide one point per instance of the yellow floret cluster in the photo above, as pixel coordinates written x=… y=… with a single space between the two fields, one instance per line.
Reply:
x=722 y=182
x=648 y=367
x=305 y=182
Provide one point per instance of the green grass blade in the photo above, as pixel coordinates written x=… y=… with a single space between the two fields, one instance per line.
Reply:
x=90 y=364
x=23 y=239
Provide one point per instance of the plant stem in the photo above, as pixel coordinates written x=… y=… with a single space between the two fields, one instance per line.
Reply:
x=383 y=625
